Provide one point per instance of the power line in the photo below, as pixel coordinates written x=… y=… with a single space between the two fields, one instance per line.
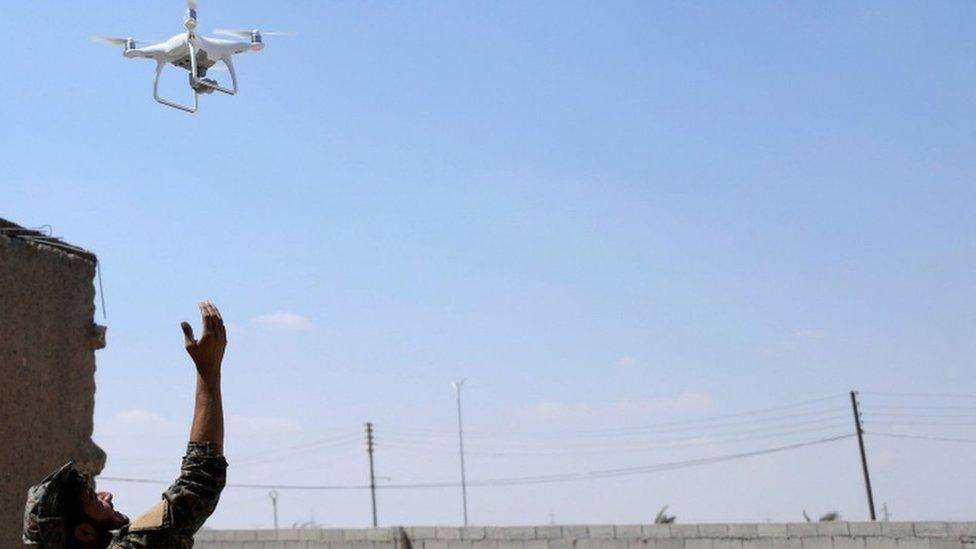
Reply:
x=923 y=416
x=922 y=395
x=691 y=423
x=919 y=407
x=604 y=445
x=915 y=422
x=771 y=423
x=922 y=437
x=513 y=481
x=685 y=442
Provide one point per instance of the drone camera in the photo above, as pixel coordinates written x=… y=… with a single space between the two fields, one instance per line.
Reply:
x=257 y=43
x=191 y=19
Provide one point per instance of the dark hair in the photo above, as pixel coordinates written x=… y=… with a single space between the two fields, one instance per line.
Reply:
x=75 y=488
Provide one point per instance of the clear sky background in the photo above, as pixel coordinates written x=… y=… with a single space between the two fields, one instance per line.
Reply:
x=620 y=221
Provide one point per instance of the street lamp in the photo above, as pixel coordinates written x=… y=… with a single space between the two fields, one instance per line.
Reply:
x=464 y=487
x=273 y=494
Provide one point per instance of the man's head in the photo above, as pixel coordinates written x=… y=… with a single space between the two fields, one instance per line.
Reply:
x=64 y=511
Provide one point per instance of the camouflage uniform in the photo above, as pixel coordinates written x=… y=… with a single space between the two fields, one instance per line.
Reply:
x=169 y=524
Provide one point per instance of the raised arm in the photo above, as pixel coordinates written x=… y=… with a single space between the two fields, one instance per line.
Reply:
x=187 y=503
x=207 y=354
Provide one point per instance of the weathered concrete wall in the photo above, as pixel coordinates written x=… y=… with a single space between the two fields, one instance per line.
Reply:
x=47 y=364
x=820 y=535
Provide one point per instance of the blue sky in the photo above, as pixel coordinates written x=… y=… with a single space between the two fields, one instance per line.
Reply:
x=604 y=215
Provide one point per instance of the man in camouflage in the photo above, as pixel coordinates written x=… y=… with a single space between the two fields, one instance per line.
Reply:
x=65 y=512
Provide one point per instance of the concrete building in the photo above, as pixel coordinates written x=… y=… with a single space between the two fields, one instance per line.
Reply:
x=48 y=338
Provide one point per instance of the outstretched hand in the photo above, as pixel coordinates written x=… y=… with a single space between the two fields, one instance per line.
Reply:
x=207 y=352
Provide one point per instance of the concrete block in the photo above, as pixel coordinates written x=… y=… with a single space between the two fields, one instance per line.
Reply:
x=656 y=531
x=743 y=531
x=627 y=531
x=288 y=534
x=561 y=543
x=460 y=544
x=432 y=544
x=766 y=543
x=548 y=532
x=833 y=528
x=946 y=543
x=664 y=543
x=958 y=529
x=713 y=530
x=602 y=532
x=897 y=529
x=575 y=532
x=589 y=543
x=601 y=543
x=421 y=532
x=534 y=544
x=635 y=544
x=310 y=534
x=448 y=533
x=772 y=530
x=331 y=534
x=846 y=542
x=473 y=532
x=481 y=544
x=354 y=534
x=931 y=529
x=873 y=542
x=727 y=543
x=816 y=543
x=380 y=534
x=347 y=545
x=864 y=529
x=801 y=529
x=518 y=532
x=913 y=543
x=266 y=535
x=699 y=543
x=684 y=530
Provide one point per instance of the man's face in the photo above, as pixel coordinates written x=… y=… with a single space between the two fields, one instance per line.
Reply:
x=99 y=508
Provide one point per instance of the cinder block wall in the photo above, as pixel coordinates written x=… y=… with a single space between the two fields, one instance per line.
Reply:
x=819 y=535
x=47 y=363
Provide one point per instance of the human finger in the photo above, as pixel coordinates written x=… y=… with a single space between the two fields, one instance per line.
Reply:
x=205 y=317
x=188 y=338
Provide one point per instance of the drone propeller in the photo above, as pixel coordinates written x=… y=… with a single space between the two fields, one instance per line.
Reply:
x=249 y=33
x=116 y=41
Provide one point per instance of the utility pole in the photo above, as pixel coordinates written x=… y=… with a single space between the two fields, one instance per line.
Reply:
x=372 y=477
x=273 y=494
x=464 y=486
x=858 y=424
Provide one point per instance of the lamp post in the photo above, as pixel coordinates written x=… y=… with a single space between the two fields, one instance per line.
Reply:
x=273 y=494
x=464 y=487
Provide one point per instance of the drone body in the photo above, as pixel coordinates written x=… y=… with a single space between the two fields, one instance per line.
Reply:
x=194 y=53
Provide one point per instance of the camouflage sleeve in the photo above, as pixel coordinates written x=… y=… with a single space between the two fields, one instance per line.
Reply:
x=184 y=507
x=193 y=497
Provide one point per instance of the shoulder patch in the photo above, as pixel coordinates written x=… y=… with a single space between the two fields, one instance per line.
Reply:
x=152 y=519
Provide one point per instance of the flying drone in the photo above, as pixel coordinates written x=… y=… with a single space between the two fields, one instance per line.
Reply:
x=195 y=53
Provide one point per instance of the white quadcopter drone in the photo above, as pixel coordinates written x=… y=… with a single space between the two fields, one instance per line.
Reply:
x=194 y=53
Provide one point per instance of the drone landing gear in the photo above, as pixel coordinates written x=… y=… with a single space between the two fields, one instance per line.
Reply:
x=198 y=83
